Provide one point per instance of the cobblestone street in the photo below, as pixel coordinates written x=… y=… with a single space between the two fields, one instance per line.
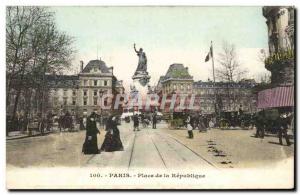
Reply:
x=153 y=148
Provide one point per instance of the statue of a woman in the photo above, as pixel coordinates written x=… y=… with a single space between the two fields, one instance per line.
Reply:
x=142 y=65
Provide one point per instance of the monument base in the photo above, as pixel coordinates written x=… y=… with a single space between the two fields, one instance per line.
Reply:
x=141 y=76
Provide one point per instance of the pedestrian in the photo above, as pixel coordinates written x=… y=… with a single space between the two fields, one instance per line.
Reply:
x=90 y=145
x=154 y=120
x=259 y=124
x=81 y=125
x=144 y=120
x=68 y=121
x=205 y=121
x=201 y=124
x=41 y=123
x=197 y=120
x=189 y=122
x=136 y=122
x=283 y=126
x=211 y=124
x=112 y=141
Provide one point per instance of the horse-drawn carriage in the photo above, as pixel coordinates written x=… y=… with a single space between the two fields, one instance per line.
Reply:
x=178 y=120
x=234 y=119
x=65 y=122
x=269 y=119
x=247 y=120
x=228 y=119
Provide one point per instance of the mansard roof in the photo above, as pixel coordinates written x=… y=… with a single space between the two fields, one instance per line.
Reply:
x=99 y=64
x=177 y=71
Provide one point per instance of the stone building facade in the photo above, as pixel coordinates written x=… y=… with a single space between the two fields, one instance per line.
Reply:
x=230 y=96
x=83 y=93
x=177 y=80
x=280 y=23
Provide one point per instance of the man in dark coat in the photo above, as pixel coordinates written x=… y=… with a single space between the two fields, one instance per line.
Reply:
x=136 y=122
x=260 y=124
x=154 y=120
x=282 y=127
x=81 y=125
x=90 y=145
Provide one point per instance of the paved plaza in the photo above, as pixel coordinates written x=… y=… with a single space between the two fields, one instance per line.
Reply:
x=160 y=148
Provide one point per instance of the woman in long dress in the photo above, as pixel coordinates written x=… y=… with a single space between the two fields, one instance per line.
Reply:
x=112 y=141
x=90 y=145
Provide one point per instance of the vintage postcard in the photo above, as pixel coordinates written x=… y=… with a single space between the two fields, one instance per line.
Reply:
x=150 y=97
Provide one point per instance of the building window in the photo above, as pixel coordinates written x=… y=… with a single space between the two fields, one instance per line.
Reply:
x=85 y=82
x=65 y=101
x=65 y=92
x=74 y=92
x=95 y=82
x=73 y=101
x=95 y=100
x=95 y=92
x=84 y=93
x=105 y=83
x=84 y=101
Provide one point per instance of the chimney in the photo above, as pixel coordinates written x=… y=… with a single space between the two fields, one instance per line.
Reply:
x=81 y=66
x=112 y=70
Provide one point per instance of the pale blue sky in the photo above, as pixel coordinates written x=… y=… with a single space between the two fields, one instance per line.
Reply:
x=167 y=34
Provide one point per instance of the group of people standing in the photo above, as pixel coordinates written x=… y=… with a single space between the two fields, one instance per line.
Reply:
x=144 y=120
x=112 y=141
x=279 y=124
x=198 y=121
x=195 y=122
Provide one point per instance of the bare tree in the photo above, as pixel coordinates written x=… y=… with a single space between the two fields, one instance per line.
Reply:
x=34 y=47
x=230 y=70
x=19 y=21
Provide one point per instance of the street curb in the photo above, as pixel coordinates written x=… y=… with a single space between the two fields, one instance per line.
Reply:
x=26 y=136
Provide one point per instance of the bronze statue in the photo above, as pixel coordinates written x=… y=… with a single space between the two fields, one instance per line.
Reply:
x=142 y=65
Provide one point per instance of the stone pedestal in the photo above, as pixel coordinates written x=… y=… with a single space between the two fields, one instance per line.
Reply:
x=141 y=76
x=139 y=85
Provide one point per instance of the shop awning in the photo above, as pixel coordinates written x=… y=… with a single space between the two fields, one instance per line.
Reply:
x=276 y=97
